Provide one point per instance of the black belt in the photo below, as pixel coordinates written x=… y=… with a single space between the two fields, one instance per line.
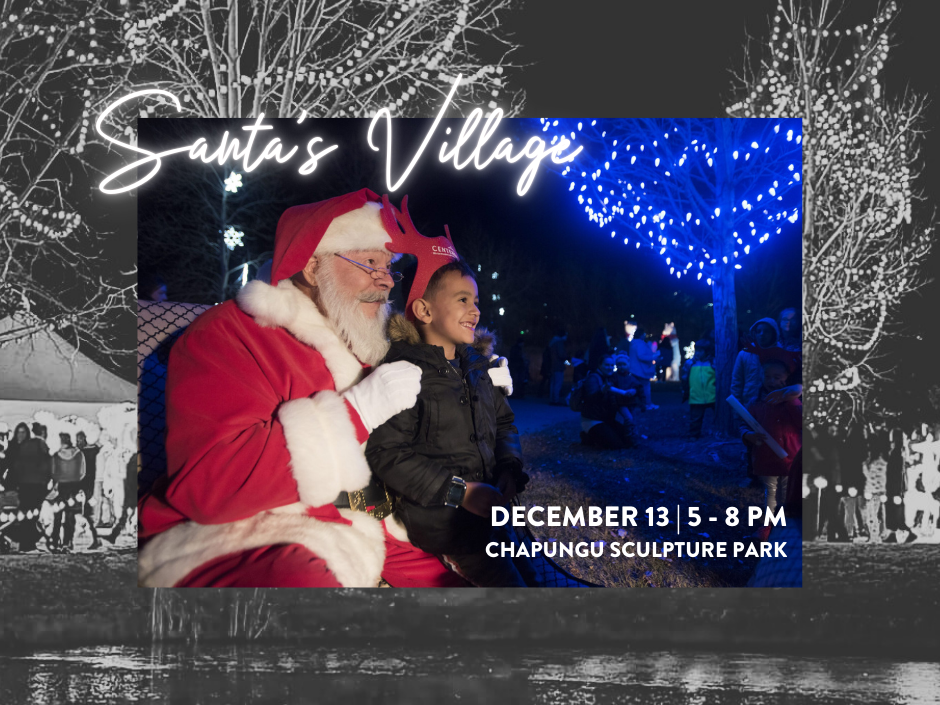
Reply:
x=373 y=499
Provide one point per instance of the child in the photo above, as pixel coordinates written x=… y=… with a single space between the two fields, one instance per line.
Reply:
x=606 y=421
x=456 y=453
x=782 y=422
x=622 y=379
x=642 y=366
x=876 y=473
x=701 y=375
x=746 y=377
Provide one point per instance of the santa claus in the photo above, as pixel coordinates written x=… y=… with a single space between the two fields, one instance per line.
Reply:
x=269 y=401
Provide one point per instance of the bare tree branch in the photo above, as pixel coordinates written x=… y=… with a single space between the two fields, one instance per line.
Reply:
x=62 y=63
x=862 y=250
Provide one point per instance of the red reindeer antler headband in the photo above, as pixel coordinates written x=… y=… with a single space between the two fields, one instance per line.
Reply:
x=432 y=252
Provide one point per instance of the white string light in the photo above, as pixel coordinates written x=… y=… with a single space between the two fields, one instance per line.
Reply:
x=233 y=238
x=233 y=182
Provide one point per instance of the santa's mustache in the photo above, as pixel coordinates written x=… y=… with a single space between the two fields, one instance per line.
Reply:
x=374 y=297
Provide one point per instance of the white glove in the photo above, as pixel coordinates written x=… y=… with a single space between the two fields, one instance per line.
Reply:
x=391 y=388
x=500 y=374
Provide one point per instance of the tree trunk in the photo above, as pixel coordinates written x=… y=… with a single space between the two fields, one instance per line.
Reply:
x=724 y=301
x=724 y=304
x=234 y=108
x=223 y=285
x=810 y=351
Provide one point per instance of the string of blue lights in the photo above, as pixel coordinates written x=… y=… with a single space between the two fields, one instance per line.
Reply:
x=698 y=191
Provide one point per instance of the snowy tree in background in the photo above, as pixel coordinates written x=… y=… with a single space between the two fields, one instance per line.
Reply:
x=701 y=193
x=62 y=63
x=862 y=249
x=330 y=58
x=55 y=270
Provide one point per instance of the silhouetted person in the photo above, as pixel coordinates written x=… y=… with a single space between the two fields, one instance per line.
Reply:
x=68 y=472
x=519 y=368
x=29 y=469
x=130 y=498
x=559 y=357
x=151 y=287
x=90 y=452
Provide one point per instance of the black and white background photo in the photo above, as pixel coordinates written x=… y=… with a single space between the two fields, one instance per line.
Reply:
x=865 y=625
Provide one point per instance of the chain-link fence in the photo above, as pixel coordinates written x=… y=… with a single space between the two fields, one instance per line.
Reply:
x=158 y=327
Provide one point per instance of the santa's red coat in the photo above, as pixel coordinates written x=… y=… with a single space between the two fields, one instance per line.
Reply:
x=259 y=444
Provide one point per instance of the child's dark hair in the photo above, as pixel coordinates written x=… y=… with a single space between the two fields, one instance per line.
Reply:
x=704 y=349
x=434 y=284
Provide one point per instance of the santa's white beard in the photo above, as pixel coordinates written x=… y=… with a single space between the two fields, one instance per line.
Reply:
x=365 y=336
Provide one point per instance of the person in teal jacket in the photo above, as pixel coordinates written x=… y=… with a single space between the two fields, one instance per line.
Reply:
x=701 y=376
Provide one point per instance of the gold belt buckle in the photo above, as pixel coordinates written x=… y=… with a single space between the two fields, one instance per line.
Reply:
x=357 y=502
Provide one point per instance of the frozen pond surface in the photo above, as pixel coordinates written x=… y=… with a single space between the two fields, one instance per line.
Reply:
x=396 y=674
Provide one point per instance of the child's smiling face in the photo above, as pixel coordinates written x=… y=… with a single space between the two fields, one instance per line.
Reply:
x=454 y=312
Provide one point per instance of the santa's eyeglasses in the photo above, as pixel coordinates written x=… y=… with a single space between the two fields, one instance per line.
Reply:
x=375 y=272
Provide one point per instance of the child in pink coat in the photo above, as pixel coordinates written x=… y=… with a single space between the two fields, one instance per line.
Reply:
x=783 y=421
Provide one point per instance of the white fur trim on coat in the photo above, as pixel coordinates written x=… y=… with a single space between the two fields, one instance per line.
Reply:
x=360 y=229
x=285 y=306
x=394 y=526
x=326 y=458
x=354 y=554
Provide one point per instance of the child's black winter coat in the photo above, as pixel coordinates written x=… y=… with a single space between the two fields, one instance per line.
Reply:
x=461 y=425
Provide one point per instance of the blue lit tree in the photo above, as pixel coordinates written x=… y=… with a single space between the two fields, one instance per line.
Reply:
x=701 y=193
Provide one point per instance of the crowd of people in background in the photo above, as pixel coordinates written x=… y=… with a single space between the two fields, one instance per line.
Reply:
x=611 y=383
x=873 y=486
x=880 y=487
x=82 y=478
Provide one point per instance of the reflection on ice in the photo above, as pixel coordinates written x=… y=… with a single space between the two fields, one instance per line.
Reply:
x=916 y=682
x=850 y=679
x=403 y=673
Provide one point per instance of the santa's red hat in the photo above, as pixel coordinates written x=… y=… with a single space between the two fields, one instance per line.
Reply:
x=432 y=252
x=341 y=224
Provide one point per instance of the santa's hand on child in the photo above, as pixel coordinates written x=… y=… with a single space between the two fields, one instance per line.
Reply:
x=390 y=389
